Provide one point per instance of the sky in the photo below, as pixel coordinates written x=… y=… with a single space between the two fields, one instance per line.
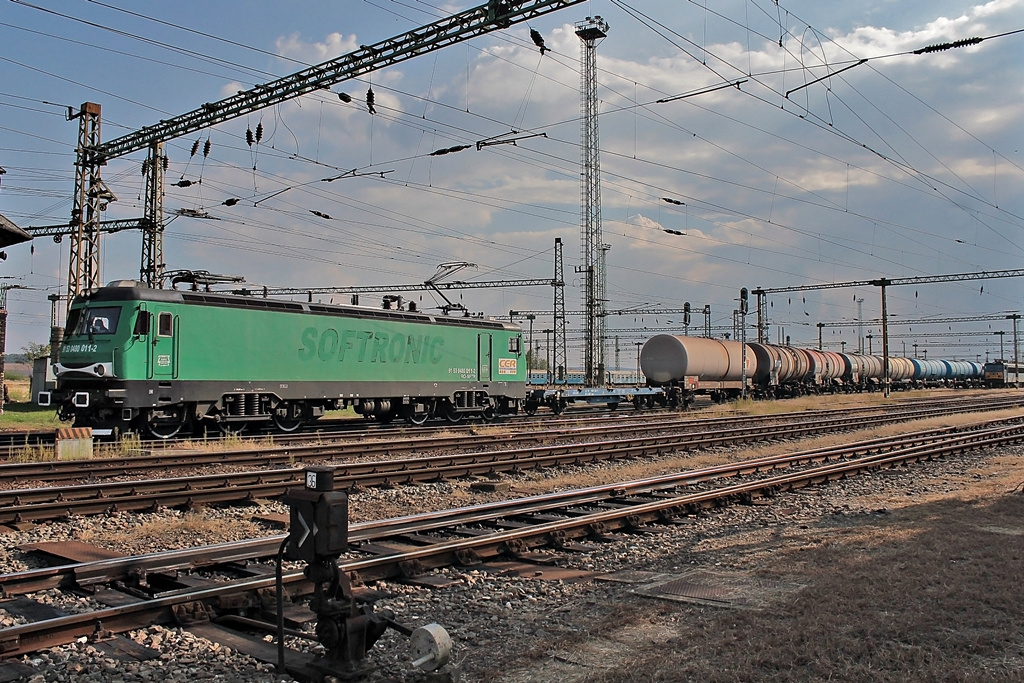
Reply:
x=809 y=166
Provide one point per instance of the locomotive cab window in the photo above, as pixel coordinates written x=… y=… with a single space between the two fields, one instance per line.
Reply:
x=165 y=325
x=98 y=321
x=514 y=344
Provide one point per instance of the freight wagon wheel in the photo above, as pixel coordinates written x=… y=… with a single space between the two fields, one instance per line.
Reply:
x=292 y=421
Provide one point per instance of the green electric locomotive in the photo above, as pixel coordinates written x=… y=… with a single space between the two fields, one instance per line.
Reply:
x=163 y=361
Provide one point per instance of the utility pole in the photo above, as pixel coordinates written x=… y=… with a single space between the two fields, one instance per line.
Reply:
x=559 y=318
x=590 y=32
x=860 y=325
x=1002 y=355
x=1016 y=358
x=882 y=283
x=743 y=341
x=151 y=270
x=762 y=316
x=638 y=345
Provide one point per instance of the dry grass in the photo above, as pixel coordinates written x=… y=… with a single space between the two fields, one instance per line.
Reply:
x=627 y=470
x=190 y=529
x=927 y=594
x=927 y=591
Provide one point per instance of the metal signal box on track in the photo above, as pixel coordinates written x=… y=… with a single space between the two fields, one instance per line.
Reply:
x=319 y=518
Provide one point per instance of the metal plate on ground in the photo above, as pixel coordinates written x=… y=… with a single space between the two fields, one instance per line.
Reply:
x=29 y=609
x=252 y=645
x=432 y=581
x=718 y=589
x=633 y=576
x=71 y=552
x=126 y=650
x=528 y=570
x=15 y=672
x=273 y=519
x=114 y=598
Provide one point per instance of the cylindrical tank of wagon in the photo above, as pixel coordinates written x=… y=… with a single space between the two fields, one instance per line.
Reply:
x=870 y=366
x=928 y=369
x=801 y=363
x=791 y=365
x=665 y=358
x=900 y=369
x=769 y=363
x=836 y=364
x=851 y=368
x=954 y=369
x=817 y=365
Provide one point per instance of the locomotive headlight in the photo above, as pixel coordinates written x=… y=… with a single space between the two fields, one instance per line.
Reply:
x=99 y=370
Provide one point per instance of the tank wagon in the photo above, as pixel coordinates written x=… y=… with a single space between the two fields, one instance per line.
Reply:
x=163 y=361
x=686 y=366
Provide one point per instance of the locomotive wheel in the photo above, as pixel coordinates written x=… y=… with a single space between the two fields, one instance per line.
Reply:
x=414 y=418
x=164 y=429
x=293 y=422
x=231 y=428
x=451 y=414
x=488 y=414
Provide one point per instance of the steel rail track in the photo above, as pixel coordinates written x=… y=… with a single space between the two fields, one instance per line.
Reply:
x=108 y=570
x=55 y=472
x=14 y=442
x=625 y=507
x=37 y=504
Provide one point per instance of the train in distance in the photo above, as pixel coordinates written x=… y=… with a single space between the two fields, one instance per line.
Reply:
x=687 y=366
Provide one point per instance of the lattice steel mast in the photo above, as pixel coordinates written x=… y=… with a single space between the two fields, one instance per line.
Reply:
x=592 y=247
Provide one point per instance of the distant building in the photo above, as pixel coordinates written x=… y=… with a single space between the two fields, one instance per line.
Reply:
x=10 y=233
x=43 y=378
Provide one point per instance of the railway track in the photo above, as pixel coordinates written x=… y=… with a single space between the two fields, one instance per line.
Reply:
x=14 y=443
x=528 y=451
x=274 y=454
x=406 y=546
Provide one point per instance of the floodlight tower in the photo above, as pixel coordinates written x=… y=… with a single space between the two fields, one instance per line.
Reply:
x=591 y=31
